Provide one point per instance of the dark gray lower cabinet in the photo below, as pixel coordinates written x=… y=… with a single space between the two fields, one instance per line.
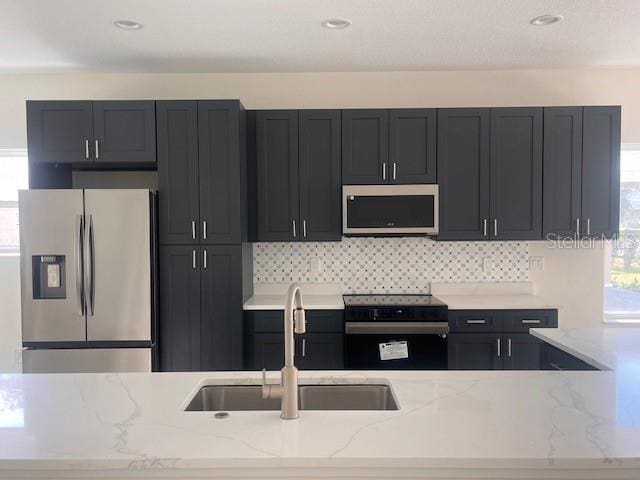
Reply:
x=553 y=358
x=523 y=352
x=474 y=351
x=320 y=348
x=201 y=308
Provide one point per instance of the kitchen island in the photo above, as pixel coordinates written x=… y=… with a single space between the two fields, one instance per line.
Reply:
x=451 y=424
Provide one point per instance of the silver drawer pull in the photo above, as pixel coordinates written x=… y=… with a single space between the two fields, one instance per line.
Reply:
x=390 y=328
x=509 y=347
x=476 y=322
x=555 y=366
x=499 y=350
x=530 y=321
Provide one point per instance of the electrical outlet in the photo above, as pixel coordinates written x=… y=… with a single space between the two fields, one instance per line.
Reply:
x=486 y=264
x=536 y=264
x=315 y=265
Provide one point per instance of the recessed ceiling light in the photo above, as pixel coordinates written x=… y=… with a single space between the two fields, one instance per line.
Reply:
x=543 y=20
x=336 y=23
x=127 y=24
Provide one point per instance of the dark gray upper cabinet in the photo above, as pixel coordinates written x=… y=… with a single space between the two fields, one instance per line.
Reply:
x=320 y=175
x=179 y=308
x=412 y=146
x=60 y=131
x=365 y=147
x=516 y=173
x=277 y=174
x=463 y=173
x=220 y=171
x=221 y=311
x=562 y=171
x=601 y=171
x=124 y=132
x=179 y=203
x=202 y=172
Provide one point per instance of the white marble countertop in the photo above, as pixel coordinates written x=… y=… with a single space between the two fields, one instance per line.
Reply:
x=495 y=302
x=451 y=424
x=311 y=302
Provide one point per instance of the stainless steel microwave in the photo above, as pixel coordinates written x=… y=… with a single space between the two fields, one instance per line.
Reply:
x=390 y=209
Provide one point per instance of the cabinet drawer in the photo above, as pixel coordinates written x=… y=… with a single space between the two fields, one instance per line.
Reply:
x=523 y=320
x=272 y=321
x=555 y=359
x=264 y=321
x=321 y=321
x=475 y=320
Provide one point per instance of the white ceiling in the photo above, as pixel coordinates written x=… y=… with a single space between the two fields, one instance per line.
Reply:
x=285 y=35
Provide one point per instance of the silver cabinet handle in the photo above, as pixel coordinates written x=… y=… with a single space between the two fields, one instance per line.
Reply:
x=293 y=222
x=193 y=259
x=588 y=226
x=499 y=350
x=578 y=227
x=204 y=229
x=86 y=149
x=384 y=171
x=304 y=228
x=204 y=259
x=555 y=366
x=476 y=322
x=97 y=144
x=304 y=347
x=484 y=227
x=495 y=227
x=531 y=321
x=394 y=170
x=79 y=270
x=509 y=347
x=193 y=229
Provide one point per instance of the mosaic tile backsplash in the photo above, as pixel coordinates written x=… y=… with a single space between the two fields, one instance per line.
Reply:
x=366 y=265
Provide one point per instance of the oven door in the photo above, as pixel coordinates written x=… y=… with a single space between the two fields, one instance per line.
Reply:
x=390 y=209
x=413 y=346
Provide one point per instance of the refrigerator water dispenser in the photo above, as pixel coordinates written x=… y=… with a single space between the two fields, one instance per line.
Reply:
x=48 y=276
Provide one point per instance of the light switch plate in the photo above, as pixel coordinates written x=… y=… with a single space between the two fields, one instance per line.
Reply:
x=536 y=264
x=315 y=265
x=486 y=264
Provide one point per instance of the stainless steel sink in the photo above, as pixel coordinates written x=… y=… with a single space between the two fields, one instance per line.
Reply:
x=231 y=398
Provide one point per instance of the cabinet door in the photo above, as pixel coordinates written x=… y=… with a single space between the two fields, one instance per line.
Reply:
x=463 y=173
x=220 y=171
x=553 y=358
x=178 y=194
x=277 y=175
x=59 y=132
x=320 y=175
x=521 y=352
x=365 y=147
x=412 y=146
x=221 y=311
x=268 y=351
x=601 y=171
x=124 y=132
x=475 y=351
x=320 y=351
x=516 y=173
x=179 y=308
x=562 y=171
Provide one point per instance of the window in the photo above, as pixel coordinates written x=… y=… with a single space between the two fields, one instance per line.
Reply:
x=13 y=177
x=622 y=270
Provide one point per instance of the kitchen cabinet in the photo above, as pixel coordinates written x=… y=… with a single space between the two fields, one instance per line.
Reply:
x=490 y=173
x=320 y=348
x=516 y=173
x=201 y=307
x=389 y=146
x=463 y=173
x=497 y=339
x=555 y=359
x=298 y=175
x=201 y=172
x=581 y=171
x=92 y=133
x=600 y=172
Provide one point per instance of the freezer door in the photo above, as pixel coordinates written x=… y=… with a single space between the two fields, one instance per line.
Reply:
x=50 y=265
x=87 y=360
x=118 y=264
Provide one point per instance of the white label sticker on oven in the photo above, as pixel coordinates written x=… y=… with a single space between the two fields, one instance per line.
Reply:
x=393 y=350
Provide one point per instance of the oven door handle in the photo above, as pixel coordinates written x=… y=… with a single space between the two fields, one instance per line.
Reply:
x=401 y=328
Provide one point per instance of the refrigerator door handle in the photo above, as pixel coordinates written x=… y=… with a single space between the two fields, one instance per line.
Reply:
x=89 y=266
x=79 y=247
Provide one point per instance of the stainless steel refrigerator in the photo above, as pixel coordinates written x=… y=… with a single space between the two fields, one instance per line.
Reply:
x=87 y=279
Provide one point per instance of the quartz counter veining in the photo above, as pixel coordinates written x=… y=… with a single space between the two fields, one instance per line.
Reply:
x=451 y=424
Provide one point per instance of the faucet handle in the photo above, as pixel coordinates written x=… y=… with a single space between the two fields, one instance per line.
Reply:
x=300 y=320
x=270 y=390
x=265 y=387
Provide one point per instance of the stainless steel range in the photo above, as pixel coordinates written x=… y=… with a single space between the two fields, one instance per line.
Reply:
x=405 y=332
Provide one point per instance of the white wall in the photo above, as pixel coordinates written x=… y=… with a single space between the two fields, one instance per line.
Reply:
x=581 y=295
x=10 y=340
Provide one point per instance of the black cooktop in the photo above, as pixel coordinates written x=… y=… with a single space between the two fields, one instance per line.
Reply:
x=392 y=300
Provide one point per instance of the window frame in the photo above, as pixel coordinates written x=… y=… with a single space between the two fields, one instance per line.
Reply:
x=13 y=250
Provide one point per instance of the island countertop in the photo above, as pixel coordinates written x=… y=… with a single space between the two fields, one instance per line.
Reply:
x=451 y=424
